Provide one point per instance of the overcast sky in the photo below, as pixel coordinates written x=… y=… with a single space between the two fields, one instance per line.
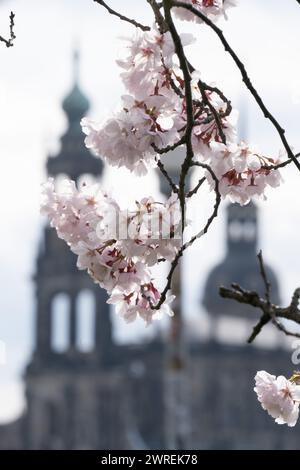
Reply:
x=37 y=73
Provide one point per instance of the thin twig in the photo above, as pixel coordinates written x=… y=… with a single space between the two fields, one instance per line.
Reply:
x=160 y=21
x=214 y=112
x=190 y=242
x=122 y=17
x=196 y=188
x=280 y=165
x=264 y=276
x=169 y=148
x=203 y=88
x=189 y=106
x=267 y=114
x=270 y=312
x=10 y=42
x=167 y=176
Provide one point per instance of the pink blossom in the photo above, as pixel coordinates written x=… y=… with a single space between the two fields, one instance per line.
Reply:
x=279 y=397
x=86 y=219
x=213 y=9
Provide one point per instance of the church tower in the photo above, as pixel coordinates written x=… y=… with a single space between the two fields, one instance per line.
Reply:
x=240 y=266
x=73 y=333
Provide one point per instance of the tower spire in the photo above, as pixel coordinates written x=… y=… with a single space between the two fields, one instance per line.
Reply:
x=76 y=64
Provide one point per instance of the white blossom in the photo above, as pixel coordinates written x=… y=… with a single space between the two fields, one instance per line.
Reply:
x=241 y=170
x=87 y=219
x=279 y=397
x=213 y=9
x=150 y=63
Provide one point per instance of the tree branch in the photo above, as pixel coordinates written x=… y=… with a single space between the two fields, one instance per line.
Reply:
x=270 y=312
x=167 y=176
x=280 y=165
x=186 y=245
x=169 y=148
x=267 y=114
x=196 y=188
x=160 y=21
x=189 y=106
x=10 y=42
x=122 y=17
x=264 y=276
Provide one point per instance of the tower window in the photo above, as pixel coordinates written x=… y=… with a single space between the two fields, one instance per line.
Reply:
x=85 y=312
x=236 y=231
x=60 y=316
x=242 y=231
x=249 y=231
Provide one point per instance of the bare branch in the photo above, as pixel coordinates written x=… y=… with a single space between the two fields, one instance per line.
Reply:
x=167 y=176
x=189 y=106
x=267 y=114
x=203 y=87
x=270 y=312
x=10 y=42
x=196 y=188
x=264 y=276
x=169 y=148
x=280 y=165
x=122 y=17
x=160 y=21
x=214 y=112
x=186 y=245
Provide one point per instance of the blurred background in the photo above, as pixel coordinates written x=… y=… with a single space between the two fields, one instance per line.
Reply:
x=63 y=66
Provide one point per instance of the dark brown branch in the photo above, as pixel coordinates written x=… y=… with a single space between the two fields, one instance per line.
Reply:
x=270 y=312
x=167 y=176
x=10 y=41
x=264 y=276
x=196 y=188
x=122 y=17
x=216 y=205
x=190 y=242
x=169 y=148
x=214 y=112
x=280 y=165
x=189 y=106
x=160 y=21
x=203 y=87
x=267 y=114
x=216 y=90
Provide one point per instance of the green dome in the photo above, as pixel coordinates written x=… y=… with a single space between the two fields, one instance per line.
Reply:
x=75 y=105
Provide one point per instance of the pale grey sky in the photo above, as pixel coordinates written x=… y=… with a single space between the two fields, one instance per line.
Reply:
x=36 y=74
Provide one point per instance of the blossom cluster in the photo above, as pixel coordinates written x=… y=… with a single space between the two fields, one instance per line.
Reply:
x=153 y=116
x=116 y=247
x=279 y=396
x=213 y=9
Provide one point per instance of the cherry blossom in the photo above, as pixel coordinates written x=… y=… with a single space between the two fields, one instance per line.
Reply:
x=118 y=247
x=118 y=258
x=150 y=64
x=152 y=115
x=242 y=171
x=279 y=396
x=133 y=303
x=213 y=9
x=128 y=139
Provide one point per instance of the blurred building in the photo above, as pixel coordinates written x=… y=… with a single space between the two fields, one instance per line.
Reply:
x=85 y=391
